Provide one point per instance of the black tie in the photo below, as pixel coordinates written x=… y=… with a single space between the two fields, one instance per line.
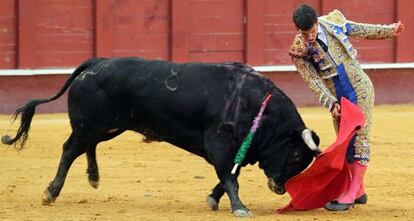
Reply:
x=323 y=45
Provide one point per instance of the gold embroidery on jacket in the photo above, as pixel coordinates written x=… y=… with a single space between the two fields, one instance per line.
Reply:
x=299 y=48
x=318 y=69
x=370 y=31
x=313 y=80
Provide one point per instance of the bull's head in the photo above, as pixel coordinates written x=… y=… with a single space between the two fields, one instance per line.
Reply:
x=295 y=154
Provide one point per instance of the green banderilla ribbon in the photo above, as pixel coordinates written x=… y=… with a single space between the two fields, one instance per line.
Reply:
x=247 y=141
x=241 y=154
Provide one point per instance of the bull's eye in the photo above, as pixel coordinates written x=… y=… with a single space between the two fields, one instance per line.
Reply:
x=297 y=156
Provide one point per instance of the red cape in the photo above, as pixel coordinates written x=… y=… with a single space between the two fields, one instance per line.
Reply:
x=328 y=177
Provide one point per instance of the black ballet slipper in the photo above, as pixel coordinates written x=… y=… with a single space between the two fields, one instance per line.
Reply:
x=337 y=206
x=362 y=199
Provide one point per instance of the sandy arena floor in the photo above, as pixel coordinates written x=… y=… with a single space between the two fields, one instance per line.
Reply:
x=157 y=181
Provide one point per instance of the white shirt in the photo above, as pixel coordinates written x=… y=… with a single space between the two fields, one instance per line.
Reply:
x=322 y=34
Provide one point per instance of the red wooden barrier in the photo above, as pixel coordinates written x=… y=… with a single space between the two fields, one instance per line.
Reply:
x=104 y=23
x=255 y=31
x=8 y=34
x=26 y=43
x=405 y=45
x=179 y=30
x=391 y=87
x=62 y=33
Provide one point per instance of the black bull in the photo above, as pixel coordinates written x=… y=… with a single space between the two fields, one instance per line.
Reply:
x=206 y=109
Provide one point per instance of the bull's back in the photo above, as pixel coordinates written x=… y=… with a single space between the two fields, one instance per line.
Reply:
x=181 y=90
x=175 y=102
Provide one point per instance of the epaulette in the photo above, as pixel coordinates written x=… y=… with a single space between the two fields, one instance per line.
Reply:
x=299 y=47
x=335 y=17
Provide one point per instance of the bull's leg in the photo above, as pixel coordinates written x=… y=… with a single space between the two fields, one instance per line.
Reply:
x=221 y=156
x=231 y=185
x=71 y=150
x=93 y=172
x=213 y=199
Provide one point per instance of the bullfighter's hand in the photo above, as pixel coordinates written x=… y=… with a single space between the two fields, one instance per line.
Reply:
x=399 y=28
x=336 y=112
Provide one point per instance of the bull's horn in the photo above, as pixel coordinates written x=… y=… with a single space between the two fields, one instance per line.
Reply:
x=307 y=138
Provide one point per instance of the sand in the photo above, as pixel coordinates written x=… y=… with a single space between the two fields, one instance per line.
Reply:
x=157 y=181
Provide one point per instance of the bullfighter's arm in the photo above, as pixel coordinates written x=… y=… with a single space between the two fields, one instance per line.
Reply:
x=362 y=30
x=315 y=83
x=298 y=52
x=370 y=31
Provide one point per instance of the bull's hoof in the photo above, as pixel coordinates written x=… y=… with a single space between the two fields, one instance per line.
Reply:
x=6 y=140
x=244 y=213
x=212 y=203
x=47 y=198
x=94 y=183
x=93 y=177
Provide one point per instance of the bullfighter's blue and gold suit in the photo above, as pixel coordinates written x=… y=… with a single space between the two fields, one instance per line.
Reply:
x=336 y=73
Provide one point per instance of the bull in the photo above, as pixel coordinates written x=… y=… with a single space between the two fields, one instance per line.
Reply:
x=204 y=108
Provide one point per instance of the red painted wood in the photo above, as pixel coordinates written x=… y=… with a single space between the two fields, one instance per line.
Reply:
x=26 y=42
x=8 y=34
x=228 y=42
x=141 y=29
x=17 y=90
x=64 y=32
x=216 y=56
x=54 y=33
x=404 y=42
x=103 y=28
x=329 y=5
x=254 y=31
x=391 y=87
x=279 y=29
x=179 y=30
x=215 y=28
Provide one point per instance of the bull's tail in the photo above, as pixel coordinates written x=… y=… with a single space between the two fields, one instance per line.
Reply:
x=28 y=110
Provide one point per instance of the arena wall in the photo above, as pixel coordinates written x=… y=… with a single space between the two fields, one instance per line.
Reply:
x=62 y=33
x=392 y=86
x=39 y=36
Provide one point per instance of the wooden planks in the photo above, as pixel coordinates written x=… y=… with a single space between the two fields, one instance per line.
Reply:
x=62 y=33
x=8 y=34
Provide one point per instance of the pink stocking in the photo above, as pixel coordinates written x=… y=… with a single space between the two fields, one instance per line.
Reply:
x=361 y=189
x=356 y=187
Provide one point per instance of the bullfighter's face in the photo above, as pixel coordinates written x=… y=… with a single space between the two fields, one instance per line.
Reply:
x=311 y=34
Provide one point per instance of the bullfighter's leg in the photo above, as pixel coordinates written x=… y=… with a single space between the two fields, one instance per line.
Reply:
x=213 y=199
x=72 y=149
x=358 y=153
